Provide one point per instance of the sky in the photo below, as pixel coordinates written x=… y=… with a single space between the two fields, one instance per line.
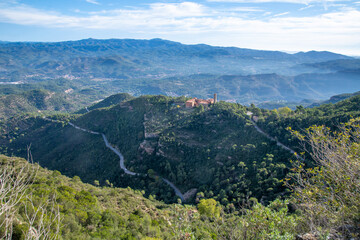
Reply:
x=285 y=25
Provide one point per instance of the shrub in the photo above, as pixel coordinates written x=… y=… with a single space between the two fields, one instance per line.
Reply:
x=329 y=193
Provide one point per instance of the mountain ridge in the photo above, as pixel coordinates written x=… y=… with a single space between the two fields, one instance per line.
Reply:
x=157 y=42
x=140 y=58
x=104 y=67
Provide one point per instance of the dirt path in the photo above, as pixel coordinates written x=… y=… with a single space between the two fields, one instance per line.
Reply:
x=121 y=157
x=272 y=138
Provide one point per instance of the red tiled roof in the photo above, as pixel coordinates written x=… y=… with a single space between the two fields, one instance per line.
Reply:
x=195 y=102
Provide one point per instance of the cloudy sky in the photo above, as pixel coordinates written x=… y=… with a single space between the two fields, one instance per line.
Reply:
x=289 y=25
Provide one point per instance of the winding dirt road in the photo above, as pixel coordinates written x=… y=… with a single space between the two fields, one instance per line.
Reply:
x=117 y=152
x=122 y=164
x=271 y=138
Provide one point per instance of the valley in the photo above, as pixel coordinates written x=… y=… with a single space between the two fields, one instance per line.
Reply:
x=198 y=148
x=88 y=70
x=121 y=157
x=233 y=154
x=107 y=127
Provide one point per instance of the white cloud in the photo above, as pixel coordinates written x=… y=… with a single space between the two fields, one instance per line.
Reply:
x=281 y=14
x=195 y=23
x=246 y=9
x=306 y=7
x=93 y=2
x=267 y=1
x=163 y=10
x=184 y=9
x=24 y=15
x=158 y=14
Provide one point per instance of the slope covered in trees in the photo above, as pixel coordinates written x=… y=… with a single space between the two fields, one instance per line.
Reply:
x=49 y=96
x=276 y=122
x=214 y=152
x=206 y=152
x=326 y=198
x=89 y=212
x=33 y=101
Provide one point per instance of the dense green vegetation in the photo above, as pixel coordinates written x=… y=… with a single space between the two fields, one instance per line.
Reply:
x=336 y=98
x=212 y=152
x=32 y=101
x=240 y=182
x=107 y=102
x=326 y=199
x=90 y=212
x=330 y=189
x=48 y=96
x=276 y=122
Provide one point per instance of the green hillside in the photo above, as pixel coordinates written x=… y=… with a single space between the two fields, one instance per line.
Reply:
x=89 y=212
x=214 y=151
x=225 y=155
x=107 y=102
x=336 y=98
x=209 y=152
x=206 y=152
x=32 y=101
x=276 y=122
x=48 y=96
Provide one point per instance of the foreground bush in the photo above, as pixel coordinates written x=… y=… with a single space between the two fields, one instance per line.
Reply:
x=329 y=193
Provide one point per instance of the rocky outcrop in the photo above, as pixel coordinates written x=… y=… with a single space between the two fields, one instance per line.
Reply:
x=190 y=194
x=147 y=147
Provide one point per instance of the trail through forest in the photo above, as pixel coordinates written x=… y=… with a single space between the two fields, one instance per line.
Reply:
x=121 y=157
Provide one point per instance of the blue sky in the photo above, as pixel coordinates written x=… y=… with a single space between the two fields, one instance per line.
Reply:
x=288 y=25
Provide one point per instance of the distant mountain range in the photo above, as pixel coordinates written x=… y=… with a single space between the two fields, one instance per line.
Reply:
x=336 y=99
x=338 y=65
x=128 y=58
x=164 y=67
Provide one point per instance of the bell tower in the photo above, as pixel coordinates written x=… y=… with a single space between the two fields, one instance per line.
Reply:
x=215 y=98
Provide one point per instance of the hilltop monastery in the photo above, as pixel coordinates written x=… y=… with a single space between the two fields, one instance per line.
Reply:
x=195 y=102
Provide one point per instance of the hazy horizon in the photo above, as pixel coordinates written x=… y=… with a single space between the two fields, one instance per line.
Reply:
x=275 y=50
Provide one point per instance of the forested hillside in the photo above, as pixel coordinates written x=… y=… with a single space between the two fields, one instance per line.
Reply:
x=50 y=96
x=277 y=122
x=214 y=152
x=206 y=152
x=53 y=206
x=336 y=98
x=109 y=101
x=42 y=204
x=33 y=101
x=254 y=137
